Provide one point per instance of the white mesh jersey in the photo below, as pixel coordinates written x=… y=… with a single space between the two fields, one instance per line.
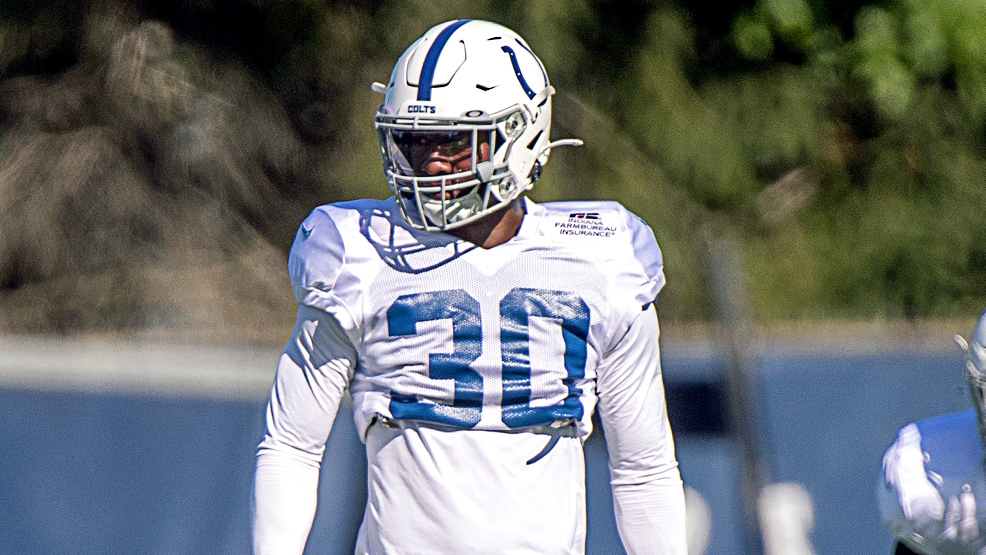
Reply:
x=497 y=339
x=474 y=374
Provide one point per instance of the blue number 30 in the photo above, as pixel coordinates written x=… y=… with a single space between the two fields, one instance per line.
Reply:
x=516 y=309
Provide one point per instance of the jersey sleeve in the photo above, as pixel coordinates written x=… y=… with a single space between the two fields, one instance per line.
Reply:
x=647 y=490
x=311 y=377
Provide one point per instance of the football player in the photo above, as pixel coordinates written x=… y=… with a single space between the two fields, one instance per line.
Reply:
x=932 y=487
x=476 y=331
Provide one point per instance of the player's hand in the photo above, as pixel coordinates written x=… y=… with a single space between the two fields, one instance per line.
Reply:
x=919 y=498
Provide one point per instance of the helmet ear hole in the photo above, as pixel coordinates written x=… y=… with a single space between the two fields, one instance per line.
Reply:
x=514 y=125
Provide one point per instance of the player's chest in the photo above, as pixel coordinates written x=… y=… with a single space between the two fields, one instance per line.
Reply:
x=487 y=286
x=478 y=305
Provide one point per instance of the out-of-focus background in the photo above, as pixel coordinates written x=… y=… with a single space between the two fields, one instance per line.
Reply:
x=814 y=170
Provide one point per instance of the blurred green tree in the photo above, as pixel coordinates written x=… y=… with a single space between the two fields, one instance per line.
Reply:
x=840 y=143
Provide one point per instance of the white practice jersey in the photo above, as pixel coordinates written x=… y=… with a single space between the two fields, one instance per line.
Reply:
x=474 y=374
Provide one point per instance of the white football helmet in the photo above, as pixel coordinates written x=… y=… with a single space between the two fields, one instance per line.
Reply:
x=464 y=125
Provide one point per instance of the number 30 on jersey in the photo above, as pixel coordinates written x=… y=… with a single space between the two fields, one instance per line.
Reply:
x=516 y=310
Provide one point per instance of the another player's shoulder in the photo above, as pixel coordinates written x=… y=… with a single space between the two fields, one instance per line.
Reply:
x=948 y=444
x=932 y=475
x=950 y=421
x=601 y=223
x=945 y=435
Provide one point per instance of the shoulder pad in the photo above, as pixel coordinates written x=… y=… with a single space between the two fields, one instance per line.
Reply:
x=599 y=222
x=610 y=218
x=645 y=245
x=318 y=254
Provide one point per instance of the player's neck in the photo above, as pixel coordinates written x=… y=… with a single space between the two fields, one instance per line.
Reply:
x=496 y=228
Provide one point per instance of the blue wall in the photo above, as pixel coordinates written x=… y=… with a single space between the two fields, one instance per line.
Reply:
x=109 y=474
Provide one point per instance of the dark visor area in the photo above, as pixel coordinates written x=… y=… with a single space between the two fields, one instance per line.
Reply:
x=417 y=146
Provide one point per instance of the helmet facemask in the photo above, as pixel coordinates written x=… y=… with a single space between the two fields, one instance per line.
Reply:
x=448 y=172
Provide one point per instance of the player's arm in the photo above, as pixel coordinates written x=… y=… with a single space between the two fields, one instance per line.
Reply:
x=648 y=497
x=312 y=375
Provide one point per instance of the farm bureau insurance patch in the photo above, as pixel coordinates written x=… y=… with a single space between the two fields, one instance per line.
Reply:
x=591 y=225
